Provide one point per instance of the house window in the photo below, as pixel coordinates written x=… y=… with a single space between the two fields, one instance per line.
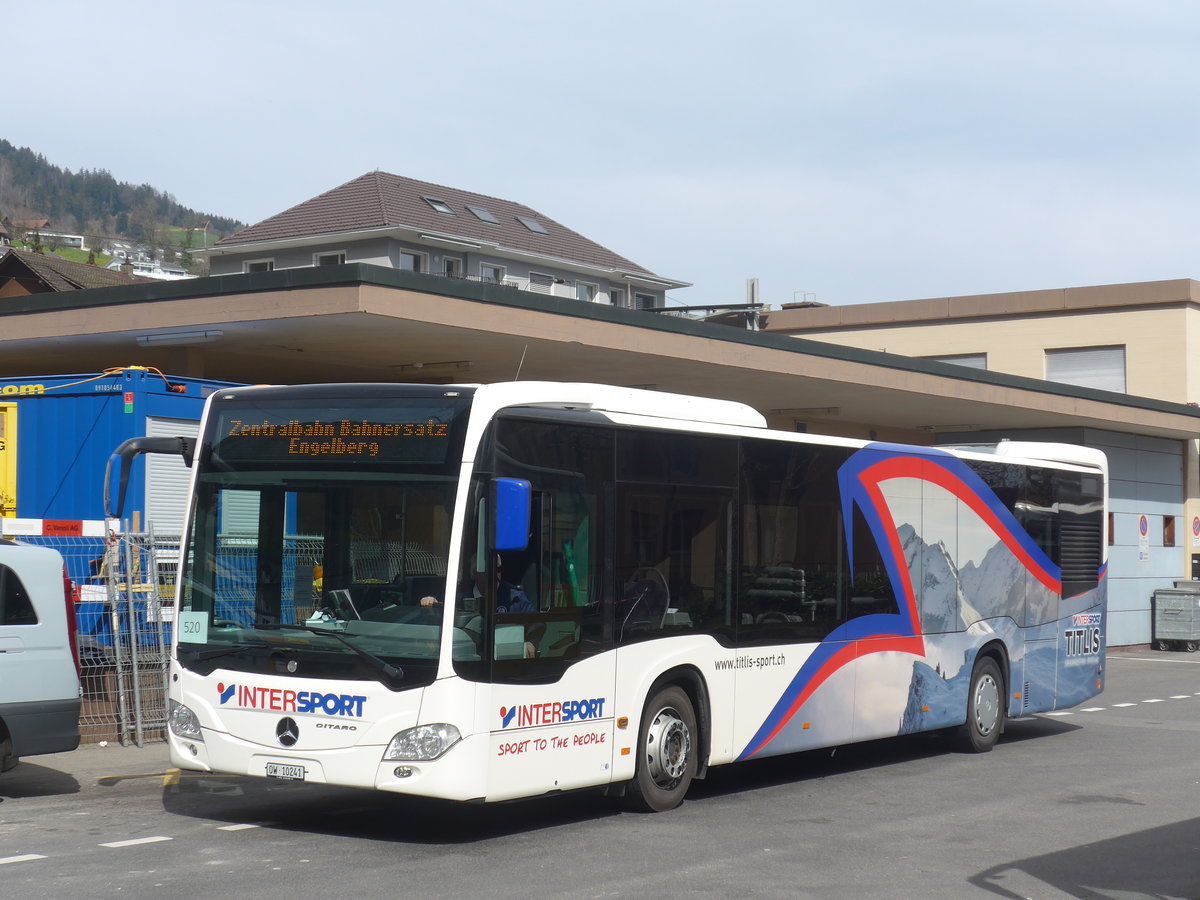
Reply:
x=643 y=301
x=412 y=262
x=1094 y=367
x=543 y=284
x=970 y=360
x=494 y=274
x=585 y=291
x=616 y=297
x=329 y=259
x=451 y=266
x=258 y=265
x=439 y=205
x=1168 y=531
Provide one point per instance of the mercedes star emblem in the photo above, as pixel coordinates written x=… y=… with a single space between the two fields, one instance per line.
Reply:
x=287 y=731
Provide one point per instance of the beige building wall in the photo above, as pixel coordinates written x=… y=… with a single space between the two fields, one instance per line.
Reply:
x=1191 y=353
x=1158 y=343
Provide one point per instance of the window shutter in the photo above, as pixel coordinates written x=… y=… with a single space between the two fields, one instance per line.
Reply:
x=1094 y=367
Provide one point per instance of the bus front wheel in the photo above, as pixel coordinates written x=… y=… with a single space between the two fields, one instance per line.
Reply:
x=985 y=708
x=667 y=749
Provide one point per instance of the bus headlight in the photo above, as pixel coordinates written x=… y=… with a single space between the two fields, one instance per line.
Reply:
x=425 y=742
x=183 y=721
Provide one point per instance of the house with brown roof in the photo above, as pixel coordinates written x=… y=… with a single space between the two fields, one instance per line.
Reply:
x=23 y=272
x=401 y=223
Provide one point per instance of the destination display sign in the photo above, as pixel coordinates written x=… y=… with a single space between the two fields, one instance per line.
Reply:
x=375 y=435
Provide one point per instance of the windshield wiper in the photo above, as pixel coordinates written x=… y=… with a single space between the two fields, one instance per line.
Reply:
x=393 y=676
x=205 y=655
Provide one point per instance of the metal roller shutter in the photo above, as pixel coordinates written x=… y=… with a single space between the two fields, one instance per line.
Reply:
x=167 y=477
x=1094 y=367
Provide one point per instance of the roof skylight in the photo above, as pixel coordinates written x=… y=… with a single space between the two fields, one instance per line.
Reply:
x=532 y=224
x=483 y=214
x=439 y=205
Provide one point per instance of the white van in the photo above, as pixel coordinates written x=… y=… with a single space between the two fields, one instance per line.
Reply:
x=39 y=666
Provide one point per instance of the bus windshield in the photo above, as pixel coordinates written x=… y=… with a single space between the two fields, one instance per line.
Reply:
x=314 y=539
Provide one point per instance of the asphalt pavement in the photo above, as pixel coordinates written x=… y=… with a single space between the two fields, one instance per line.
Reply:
x=1094 y=802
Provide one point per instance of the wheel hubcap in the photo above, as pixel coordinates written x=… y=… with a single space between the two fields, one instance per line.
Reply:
x=987 y=704
x=668 y=747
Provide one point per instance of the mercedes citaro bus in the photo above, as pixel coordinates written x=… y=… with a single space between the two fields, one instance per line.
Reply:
x=488 y=592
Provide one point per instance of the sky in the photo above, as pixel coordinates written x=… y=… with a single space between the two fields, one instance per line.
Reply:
x=844 y=152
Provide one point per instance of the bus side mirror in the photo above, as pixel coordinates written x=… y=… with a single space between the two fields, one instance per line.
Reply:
x=130 y=450
x=512 y=514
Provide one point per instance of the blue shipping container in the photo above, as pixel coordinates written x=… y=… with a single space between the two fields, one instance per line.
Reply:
x=58 y=431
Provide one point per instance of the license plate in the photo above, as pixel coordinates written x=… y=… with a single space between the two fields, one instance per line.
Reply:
x=284 y=770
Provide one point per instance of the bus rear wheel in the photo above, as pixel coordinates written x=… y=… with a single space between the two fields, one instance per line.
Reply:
x=7 y=760
x=985 y=708
x=667 y=750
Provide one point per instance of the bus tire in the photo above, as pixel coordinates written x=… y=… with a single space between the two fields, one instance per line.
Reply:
x=7 y=760
x=668 y=746
x=985 y=708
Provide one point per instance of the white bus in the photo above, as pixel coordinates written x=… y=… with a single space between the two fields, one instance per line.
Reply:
x=488 y=592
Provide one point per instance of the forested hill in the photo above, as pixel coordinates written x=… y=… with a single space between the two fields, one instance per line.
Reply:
x=92 y=201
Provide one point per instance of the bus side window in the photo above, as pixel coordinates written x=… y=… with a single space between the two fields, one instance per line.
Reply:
x=674 y=534
x=561 y=570
x=793 y=581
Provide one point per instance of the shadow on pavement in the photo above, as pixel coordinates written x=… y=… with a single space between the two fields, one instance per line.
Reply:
x=1158 y=863
x=799 y=767
x=31 y=780
x=348 y=812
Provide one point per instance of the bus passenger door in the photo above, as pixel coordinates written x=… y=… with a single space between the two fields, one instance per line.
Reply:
x=552 y=669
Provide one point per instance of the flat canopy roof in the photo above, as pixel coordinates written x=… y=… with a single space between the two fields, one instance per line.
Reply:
x=367 y=323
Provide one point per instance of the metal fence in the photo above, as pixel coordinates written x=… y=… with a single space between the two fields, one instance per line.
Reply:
x=125 y=610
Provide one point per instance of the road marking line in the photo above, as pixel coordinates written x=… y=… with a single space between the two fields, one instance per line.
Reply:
x=1093 y=709
x=1154 y=701
x=1123 y=705
x=235 y=827
x=136 y=841
x=1189 y=662
x=1059 y=713
x=26 y=858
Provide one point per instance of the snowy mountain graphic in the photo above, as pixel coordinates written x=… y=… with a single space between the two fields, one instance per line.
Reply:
x=933 y=700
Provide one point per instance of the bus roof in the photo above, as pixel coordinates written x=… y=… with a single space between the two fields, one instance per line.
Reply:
x=607 y=398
